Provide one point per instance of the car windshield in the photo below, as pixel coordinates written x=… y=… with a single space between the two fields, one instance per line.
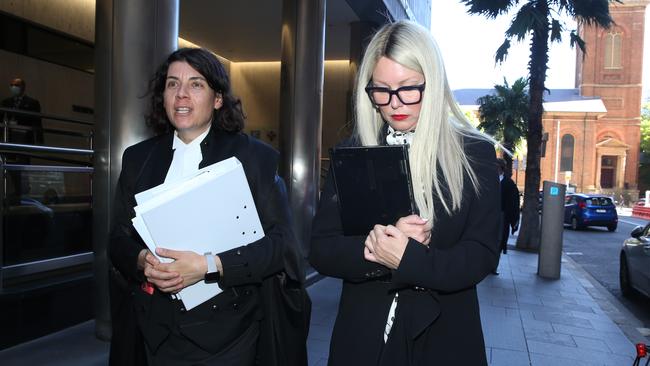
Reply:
x=599 y=201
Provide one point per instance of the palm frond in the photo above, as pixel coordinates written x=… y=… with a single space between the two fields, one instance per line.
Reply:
x=502 y=51
x=489 y=8
x=561 y=4
x=591 y=12
x=522 y=23
x=575 y=39
x=556 y=31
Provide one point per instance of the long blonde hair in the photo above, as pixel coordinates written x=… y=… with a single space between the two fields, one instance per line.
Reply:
x=437 y=148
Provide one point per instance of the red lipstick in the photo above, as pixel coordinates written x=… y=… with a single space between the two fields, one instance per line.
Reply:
x=399 y=117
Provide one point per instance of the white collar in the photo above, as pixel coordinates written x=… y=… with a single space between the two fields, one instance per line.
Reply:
x=394 y=137
x=179 y=144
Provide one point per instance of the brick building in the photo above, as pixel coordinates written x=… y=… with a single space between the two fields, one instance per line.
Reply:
x=592 y=132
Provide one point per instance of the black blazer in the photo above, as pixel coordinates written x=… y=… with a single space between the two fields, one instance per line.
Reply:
x=35 y=136
x=216 y=323
x=437 y=317
x=509 y=200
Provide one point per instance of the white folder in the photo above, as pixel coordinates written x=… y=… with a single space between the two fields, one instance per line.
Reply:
x=212 y=211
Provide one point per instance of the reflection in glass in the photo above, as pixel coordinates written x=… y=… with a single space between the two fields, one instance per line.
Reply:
x=47 y=214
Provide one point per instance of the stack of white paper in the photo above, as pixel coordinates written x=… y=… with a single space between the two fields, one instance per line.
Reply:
x=211 y=211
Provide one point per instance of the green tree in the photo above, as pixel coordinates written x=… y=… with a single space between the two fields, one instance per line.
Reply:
x=540 y=19
x=644 y=159
x=504 y=115
x=645 y=128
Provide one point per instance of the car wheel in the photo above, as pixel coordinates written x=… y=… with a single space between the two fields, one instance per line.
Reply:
x=624 y=278
x=611 y=227
x=574 y=223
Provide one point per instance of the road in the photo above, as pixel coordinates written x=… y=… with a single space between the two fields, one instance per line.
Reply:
x=597 y=251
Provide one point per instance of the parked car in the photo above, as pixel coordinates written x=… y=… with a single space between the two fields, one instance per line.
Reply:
x=582 y=210
x=634 y=270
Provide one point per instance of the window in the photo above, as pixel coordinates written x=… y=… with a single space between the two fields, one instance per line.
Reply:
x=566 y=154
x=613 y=44
x=609 y=161
x=599 y=201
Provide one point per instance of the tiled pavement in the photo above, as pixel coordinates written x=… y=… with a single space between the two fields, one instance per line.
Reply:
x=527 y=320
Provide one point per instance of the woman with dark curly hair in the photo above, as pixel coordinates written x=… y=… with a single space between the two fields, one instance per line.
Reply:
x=198 y=122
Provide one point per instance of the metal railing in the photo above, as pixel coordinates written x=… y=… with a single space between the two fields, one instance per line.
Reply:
x=63 y=159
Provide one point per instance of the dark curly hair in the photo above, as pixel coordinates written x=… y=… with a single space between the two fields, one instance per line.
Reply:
x=230 y=117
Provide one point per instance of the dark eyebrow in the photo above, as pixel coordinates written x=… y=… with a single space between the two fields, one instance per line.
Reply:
x=192 y=78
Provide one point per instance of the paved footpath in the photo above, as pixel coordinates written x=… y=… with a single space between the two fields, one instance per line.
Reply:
x=527 y=320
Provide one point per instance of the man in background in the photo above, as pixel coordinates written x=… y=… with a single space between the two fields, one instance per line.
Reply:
x=19 y=100
x=509 y=204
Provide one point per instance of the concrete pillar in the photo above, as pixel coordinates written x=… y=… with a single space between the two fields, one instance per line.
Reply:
x=620 y=171
x=131 y=39
x=599 y=161
x=301 y=96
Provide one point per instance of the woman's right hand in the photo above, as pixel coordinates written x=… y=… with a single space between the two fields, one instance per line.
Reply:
x=415 y=227
x=163 y=280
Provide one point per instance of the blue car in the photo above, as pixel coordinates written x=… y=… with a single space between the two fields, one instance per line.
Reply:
x=582 y=210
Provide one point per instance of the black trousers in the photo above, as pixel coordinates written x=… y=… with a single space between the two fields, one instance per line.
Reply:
x=179 y=351
x=505 y=233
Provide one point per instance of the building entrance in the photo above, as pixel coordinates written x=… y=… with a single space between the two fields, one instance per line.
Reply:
x=608 y=172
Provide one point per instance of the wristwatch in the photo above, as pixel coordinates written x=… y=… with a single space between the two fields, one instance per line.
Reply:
x=213 y=274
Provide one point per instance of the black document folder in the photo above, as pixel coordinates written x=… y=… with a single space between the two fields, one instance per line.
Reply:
x=373 y=186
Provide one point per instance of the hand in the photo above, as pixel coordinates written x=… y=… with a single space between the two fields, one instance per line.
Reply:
x=189 y=266
x=164 y=281
x=413 y=226
x=385 y=245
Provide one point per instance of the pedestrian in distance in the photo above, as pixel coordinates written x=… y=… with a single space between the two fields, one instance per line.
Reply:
x=19 y=100
x=509 y=204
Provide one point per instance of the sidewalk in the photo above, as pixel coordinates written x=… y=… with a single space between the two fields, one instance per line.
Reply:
x=526 y=321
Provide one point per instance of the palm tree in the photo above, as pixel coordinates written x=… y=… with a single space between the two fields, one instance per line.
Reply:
x=540 y=18
x=504 y=115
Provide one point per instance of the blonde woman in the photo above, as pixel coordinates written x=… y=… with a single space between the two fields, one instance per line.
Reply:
x=409 y=289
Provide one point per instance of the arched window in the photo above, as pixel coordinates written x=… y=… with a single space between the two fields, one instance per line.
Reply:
x=613 y=44
x=566 y=153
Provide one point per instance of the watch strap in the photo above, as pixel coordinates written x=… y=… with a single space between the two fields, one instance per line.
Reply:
x=212 y=262
x=212 y=275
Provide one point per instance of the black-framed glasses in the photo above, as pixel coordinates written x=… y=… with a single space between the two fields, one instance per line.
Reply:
x=381 y=96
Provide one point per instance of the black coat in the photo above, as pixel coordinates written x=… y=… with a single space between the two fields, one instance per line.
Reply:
x=509 y=201
x=35 y=136
x=439 y=325
x=255 y=275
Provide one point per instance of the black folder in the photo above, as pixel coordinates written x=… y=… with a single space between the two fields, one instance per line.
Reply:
x=373 y=186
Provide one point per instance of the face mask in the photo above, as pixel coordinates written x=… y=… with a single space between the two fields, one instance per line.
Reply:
x=15 y=90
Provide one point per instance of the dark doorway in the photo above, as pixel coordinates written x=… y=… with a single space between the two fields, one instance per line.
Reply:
x=608 y=172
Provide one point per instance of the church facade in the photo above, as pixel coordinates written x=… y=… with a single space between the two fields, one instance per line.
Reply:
x=592 y=133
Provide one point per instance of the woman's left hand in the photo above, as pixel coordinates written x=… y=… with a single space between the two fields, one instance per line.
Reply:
x=385 y=245
x=190 y=265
